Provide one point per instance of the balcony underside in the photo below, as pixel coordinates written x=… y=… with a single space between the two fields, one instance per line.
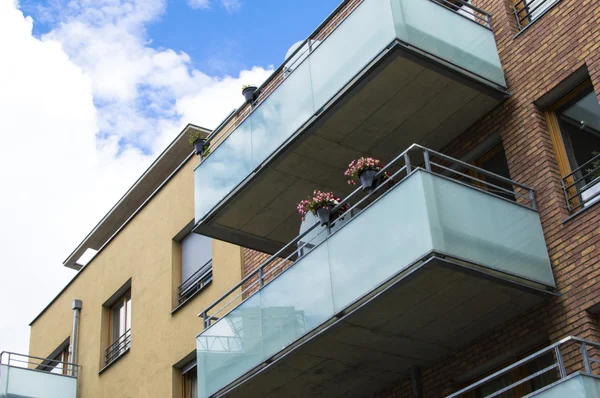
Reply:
x=430 y=310
x=401 y=98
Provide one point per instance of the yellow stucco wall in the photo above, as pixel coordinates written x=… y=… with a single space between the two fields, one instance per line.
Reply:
x=145 y=252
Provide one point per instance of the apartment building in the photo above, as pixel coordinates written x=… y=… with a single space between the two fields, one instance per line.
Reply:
x=467 y=268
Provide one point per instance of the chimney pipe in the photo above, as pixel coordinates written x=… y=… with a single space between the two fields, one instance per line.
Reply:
x=76 y=310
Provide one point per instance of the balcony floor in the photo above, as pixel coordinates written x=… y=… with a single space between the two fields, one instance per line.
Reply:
x=399 y=100
x=430 y=310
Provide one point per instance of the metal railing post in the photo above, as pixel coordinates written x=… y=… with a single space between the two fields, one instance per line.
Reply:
x=261 y=281
x=561 y=363
x=532 y=199
x=426 y=159
x=407 y=163
x=204 y=319
x=586 y=359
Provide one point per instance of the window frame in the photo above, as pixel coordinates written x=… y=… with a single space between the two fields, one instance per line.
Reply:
x=558 y=143
x=115 y=339
x=187 y=386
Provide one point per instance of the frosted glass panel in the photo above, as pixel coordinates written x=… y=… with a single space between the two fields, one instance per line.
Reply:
x=231 y=347
x=355 y=43
x=282 y=113
x=421 y=214
x=378 y=243
x=470 y=224
x=299 y=301
x=580 y=386
x=365 y=33
x=20 y=382
x=228 y=165
x=450 y=36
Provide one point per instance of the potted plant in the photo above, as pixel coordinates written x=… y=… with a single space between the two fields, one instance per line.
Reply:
x=249 y=92
x=198 y=141
x=364 y=170
x=321 y=204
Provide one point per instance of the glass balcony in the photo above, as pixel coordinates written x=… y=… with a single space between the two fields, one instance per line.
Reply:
x=567 y=368
x=23 y=376
x=416 y=268
x=386 y=62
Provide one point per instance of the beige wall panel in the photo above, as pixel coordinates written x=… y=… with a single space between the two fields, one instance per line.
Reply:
x=145 y=252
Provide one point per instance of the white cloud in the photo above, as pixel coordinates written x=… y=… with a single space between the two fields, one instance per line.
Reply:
x=229 y=5
x=201 y=4
x=83 y=111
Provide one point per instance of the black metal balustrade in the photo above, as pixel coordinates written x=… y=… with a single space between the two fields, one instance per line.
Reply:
x=566 y=361
x=526 y=11
x=119 y=347
x=581 y=185
x=196 y=282
x=414 y=158
x=38 y=364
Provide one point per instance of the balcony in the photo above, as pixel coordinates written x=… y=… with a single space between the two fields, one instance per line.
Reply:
x=414 y=270
x=23 y=376
x=568 y=368
x=391 y=72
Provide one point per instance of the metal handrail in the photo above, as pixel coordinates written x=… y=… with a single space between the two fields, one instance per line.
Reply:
x=198 y=280
x=527 y=11
x=559 y=364
x=118 y=347
x=574 y=184
x=316 y=36
x=41 y=364
x=277 y=260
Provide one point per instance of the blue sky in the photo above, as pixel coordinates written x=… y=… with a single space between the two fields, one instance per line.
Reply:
x=221 y=41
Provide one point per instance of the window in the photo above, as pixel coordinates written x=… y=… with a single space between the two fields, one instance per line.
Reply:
x=120 y=328
x=495 y=162
x=196 y=265
x=528 y=11
x=57 y=361
x=190 y=380
x=574 y=124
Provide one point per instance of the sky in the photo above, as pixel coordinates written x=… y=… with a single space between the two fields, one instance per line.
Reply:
x=91 y=91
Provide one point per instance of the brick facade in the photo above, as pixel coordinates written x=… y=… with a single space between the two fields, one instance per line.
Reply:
x=563 y=40
x=548 y=51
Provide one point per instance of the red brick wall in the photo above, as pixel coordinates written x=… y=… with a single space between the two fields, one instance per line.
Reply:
x=551 y=49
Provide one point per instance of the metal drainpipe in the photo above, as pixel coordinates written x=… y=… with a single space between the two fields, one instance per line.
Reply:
x=76 y=310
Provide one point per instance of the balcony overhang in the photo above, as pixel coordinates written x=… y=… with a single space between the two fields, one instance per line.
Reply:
x=417 y=274
x=300 y=139
x=431 y=310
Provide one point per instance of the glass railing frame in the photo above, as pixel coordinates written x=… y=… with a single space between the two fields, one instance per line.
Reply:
x=248 y=284
x=302 y=55
x=6 y=358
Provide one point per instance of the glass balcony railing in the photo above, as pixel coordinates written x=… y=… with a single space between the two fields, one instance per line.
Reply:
x=431 y=204
x=457 y=37
x=567 y=368
x=23 y=376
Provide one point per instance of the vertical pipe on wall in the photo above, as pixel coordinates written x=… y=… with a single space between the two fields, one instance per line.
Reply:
x=74 y=337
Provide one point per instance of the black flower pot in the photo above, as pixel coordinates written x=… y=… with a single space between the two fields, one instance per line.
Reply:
x=324 y=213
x=249 y=94
x=199 y=146
x=367 y=179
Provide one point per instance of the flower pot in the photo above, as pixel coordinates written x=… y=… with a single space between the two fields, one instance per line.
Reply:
x=249 y=94
x=199 y=146
x=324 y=213
x=367 y=179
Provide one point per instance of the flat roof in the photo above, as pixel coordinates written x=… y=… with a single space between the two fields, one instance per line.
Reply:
x=171 y=158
